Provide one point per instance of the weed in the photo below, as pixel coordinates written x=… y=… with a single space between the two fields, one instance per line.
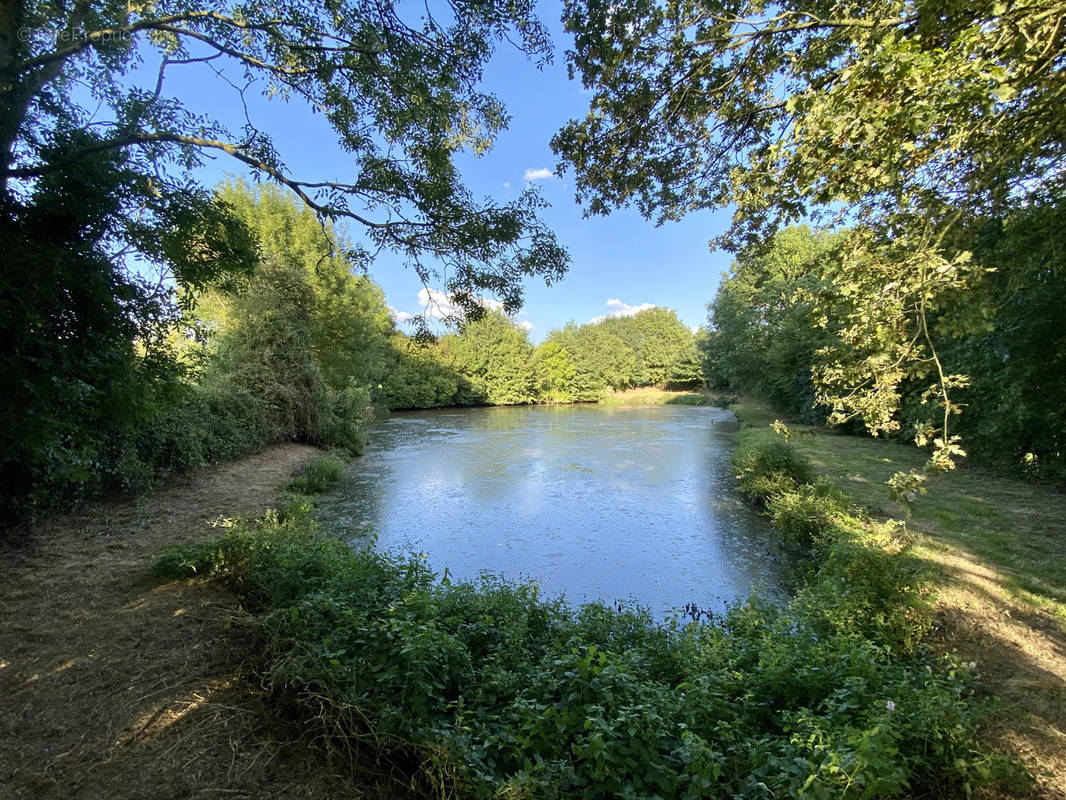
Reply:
x=495 y=691
x=318 y=476
x=767 y=466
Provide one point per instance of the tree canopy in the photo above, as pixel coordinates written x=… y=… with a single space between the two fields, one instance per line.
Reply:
x=908 y=121
x=110 y=239
x=898 y=114
x=766 y=340
x=399 y=88
x=761 y=342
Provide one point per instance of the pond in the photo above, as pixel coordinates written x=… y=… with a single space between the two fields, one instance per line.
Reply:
x=624 y=503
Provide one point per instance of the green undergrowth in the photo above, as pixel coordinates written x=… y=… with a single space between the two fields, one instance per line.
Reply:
x=489 y=690
x=317 y=476
x=1014 y=526
x=300 y=495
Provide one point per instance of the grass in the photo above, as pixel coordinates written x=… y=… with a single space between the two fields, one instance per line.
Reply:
x=652 y=396
x=996 y=546
x=317 y=476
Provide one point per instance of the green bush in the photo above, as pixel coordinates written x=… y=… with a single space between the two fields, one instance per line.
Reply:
x=493 y=691
x=317 y=476
x=809 y=515
x=769 y=466
x=342 y=418
x=867 y=584
x=689 y=400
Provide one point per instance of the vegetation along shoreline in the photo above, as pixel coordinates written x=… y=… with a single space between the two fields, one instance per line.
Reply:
x=236 y=236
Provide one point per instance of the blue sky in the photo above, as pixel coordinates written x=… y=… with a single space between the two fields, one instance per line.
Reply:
x=621 y=258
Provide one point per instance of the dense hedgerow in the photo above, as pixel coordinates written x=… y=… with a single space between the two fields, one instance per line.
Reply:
x=494 y=691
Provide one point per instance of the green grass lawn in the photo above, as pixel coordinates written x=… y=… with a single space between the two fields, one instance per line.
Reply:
x=1016 y=526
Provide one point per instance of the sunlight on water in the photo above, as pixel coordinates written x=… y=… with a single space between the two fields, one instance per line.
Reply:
x=609 y=504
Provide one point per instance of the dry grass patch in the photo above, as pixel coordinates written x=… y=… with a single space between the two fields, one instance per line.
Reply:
x=115 y=685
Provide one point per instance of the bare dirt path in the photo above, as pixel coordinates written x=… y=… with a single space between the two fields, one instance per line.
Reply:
x=115 y=685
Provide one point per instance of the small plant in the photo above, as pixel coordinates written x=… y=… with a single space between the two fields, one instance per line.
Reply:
x=808 y=516
x=767 y=467
x=317 y=476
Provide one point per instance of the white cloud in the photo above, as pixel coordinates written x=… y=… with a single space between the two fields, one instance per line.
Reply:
x=542 y=174
x=506 y=184
x=436 y=304
x=526 y=325
x=399 y=317
x=620 y=309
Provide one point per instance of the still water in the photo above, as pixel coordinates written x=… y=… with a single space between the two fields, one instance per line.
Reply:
x=633 y=503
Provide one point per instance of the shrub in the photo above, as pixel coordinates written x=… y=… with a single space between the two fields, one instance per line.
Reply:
x=867 y=584
x=342 y=418
x=769 y=466
x=493 y=691
x=317 y=476
x=809 y=515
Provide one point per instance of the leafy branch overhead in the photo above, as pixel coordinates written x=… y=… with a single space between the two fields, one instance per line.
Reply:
x=400 y=90
x=908 y=122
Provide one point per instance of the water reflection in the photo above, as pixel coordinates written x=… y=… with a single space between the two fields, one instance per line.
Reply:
x=611 y=504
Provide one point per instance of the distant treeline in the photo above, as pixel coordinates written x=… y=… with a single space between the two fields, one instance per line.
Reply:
x=491 y=361
x=118 y=380
x=774 y=323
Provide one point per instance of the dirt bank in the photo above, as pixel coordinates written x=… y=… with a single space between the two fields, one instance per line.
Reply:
x=114 y=685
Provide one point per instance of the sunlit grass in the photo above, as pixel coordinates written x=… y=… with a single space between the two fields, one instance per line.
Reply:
x=1016 y=526
x=994 y=546
x=652 y=396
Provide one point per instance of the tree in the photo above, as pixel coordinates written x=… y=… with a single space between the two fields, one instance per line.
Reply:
x=1017 y=360
x=401 y=95
x=555 y=372
x=665 y=342
x=907 y=120
x=765 y=340
x=98 y=187
x=267 y=354
x=349 y=325
x=592 y=361
x=303 y=340
x=659 y=342
x=494 y=355
x=417 y=377
x=76 y=384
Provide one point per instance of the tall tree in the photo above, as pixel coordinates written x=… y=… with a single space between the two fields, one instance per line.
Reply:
x=765 y=339
x=494 y=355
x=350 y=325
x=592 y=361
x=659 y=341
x=398 y=87
x=99 y=159
x=905 y=119
x=555 y=373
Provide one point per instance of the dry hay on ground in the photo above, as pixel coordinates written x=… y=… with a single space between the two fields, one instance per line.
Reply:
x=115 y=685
